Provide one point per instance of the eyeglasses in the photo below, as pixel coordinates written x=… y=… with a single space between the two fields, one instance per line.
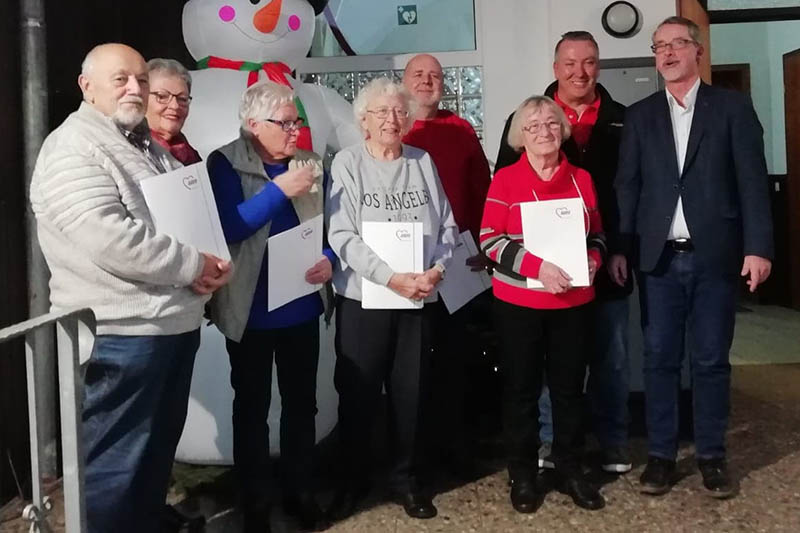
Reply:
x=164 y=98
x=536 y=127
x=287 y=125
x=675 y=44
x=383 y=112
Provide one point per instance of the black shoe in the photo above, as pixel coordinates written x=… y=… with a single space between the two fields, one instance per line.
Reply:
x=345 y=502
x=657 y=476
x=174 y=521
x=715 y=478
x=525 y=496
x=305 y=510
x=616 y=461
x=417 y=505
x=583 y=493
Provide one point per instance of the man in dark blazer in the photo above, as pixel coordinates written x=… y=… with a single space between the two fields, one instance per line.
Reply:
x=694 y=214
x=596 y=121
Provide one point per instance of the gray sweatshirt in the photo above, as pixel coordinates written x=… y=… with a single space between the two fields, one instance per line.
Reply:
x=366 y=189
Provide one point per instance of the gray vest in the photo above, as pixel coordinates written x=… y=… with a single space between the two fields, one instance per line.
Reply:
x=230 y=306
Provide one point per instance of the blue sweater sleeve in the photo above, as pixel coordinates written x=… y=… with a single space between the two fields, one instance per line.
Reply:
x=241 y=218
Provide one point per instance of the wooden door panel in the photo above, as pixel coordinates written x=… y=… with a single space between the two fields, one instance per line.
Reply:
x=791 y=81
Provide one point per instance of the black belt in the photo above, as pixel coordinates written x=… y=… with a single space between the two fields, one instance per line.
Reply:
x=681 y=245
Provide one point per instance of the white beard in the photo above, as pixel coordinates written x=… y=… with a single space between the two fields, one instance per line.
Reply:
x=128 y=116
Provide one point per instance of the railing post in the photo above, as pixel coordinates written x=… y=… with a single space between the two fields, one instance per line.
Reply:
x=33 y=419
x=71 y=443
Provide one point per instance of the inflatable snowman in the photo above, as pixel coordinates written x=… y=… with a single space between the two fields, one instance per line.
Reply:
x=237 y=43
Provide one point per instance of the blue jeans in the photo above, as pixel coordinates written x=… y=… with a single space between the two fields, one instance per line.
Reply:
x=545 y=415
x=682 y=302
x=136 y=395
x=609 y=377
x=609 y=374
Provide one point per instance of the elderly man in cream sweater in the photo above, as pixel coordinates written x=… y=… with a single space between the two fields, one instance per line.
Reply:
x=147 y=289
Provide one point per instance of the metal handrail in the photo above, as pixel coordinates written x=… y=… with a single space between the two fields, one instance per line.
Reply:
x=71 y=328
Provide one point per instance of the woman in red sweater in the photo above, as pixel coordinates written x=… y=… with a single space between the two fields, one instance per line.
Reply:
x=541 y=330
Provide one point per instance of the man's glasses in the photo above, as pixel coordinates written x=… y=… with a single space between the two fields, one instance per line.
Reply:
x=674 y=44
x=164 y=98
x=383 y=112
x=537 y=127
x=287 y=125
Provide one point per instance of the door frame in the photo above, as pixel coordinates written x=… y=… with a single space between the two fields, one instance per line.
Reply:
x=793 y=203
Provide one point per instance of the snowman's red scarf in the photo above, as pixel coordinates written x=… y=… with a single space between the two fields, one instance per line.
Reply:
x=276 y=72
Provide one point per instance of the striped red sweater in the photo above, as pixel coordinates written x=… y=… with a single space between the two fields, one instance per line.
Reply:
x=501 y=231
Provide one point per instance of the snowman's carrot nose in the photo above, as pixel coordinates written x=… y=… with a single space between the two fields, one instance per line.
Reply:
x=266 y=18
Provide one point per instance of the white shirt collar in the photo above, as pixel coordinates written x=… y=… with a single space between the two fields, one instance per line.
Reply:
x=688 y=100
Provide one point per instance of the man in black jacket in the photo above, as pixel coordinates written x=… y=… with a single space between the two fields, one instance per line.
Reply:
x=596 y=121
x=694 y=216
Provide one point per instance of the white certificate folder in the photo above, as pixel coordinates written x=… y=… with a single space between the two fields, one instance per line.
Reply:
x=462 y=284
x=400 y=245
x=555 y=231
x=291 y=253
x=182 y=205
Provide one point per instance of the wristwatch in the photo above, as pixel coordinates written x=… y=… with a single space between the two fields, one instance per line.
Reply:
x=440 y=268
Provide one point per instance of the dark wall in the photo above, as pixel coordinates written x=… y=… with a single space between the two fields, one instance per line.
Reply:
x=13 y=292
x=73 y=28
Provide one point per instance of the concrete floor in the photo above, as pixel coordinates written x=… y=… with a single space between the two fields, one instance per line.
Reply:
x=764 y=455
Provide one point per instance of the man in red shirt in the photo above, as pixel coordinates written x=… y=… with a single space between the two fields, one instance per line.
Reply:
x=465 y=176
x=596 y=121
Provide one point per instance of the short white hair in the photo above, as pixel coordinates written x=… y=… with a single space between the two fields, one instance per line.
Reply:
x=169 y=67
x=383 y=86
x=262 y=100
x=535 y=103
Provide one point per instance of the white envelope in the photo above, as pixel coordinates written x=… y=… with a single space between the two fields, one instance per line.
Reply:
x=400 y=245
x=290 y=254
x=182 y=205
x=555 y=231
x=460 y=284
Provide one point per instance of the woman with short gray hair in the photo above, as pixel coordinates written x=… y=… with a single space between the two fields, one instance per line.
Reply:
x=264 y=185
x=534 y=104
x=168 y=107
x=261 y=101
x=378 y=88
x=543 y=332
x=383 y=180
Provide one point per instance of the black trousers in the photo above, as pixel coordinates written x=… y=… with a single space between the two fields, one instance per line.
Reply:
x=378 y=348
x=296 y=353
x=455 y=341
x=536 y=342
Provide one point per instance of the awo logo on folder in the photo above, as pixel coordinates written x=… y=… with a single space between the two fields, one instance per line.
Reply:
x=399 y=245
x=563 y=212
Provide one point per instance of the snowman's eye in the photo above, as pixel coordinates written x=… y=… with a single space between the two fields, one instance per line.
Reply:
x=255 y=2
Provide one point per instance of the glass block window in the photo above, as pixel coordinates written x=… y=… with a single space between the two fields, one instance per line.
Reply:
x=463 y=89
